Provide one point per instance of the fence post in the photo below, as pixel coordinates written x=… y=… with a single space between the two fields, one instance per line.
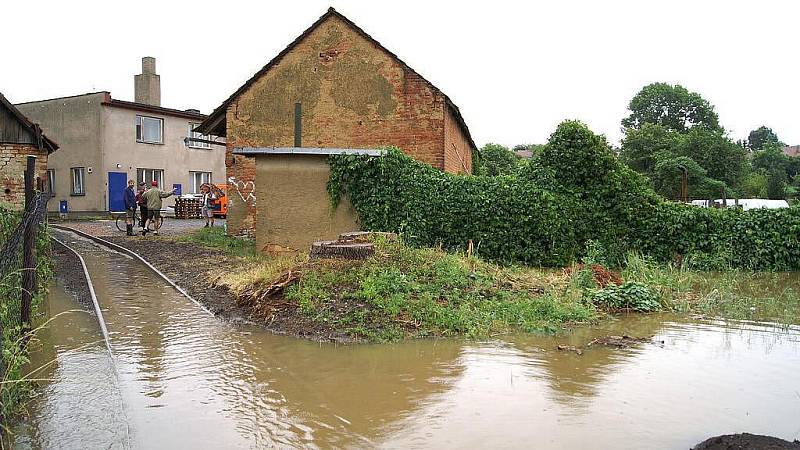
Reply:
x=28 y=244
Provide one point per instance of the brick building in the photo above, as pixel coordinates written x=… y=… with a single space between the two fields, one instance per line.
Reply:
x=335 y=87
x=19 y=137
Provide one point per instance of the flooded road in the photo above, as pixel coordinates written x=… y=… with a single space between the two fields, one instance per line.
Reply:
x=180 y=378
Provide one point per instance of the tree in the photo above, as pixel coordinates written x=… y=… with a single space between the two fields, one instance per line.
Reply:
x=673 y=107
x=760 y=137
x=755 y=184
x=722 y=159
x=640 y=146
x=779 y=168
x=497 y=159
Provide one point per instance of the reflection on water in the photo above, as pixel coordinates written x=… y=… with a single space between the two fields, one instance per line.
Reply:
x=189 y=380
x=84 y=390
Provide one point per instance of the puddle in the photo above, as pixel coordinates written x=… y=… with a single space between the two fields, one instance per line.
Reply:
x=183 y=379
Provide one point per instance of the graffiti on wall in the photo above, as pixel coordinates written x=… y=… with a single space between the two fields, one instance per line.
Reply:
x=246 y=190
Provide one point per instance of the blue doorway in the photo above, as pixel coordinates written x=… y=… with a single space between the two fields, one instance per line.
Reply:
x=117 y=182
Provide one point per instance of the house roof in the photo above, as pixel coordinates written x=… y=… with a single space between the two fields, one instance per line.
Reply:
x=215 y=123
x=306 y=151
x=791 y=150
x=187 y=114
x=34 y=128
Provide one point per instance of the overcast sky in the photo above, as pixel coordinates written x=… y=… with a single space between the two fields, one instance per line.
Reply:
x=515 y=69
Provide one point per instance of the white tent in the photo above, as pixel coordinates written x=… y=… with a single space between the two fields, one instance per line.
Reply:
x=746 y=203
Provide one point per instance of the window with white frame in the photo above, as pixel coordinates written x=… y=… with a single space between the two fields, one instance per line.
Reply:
x=196 y=135
x=147 y=176
x=197 y=179
x=78 y=180
x=149 y=130
x=51 y=182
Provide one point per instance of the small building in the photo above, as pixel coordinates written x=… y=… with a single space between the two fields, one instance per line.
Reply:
x=333 y=87
x=19 y=138
x=106 y=141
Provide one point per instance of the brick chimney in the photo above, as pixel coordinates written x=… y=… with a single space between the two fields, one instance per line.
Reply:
x=147 y=85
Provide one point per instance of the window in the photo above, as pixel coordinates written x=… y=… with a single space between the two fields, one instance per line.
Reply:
x=51 y=182
x=149 y=130
x=194 y=134
x=78 y=181
x=149 y=175
x=197 y=179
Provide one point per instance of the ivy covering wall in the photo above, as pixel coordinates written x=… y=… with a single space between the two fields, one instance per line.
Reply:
x=576 y=191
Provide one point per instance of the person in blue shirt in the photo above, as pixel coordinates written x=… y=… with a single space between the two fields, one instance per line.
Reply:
x=130 y=208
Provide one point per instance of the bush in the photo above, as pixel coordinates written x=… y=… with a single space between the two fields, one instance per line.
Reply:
x=574 y=192
x=629 y=295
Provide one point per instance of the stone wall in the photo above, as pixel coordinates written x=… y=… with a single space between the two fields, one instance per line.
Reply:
x=13 y=161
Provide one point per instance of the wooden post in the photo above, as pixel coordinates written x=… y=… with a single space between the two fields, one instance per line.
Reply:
x=28 y=244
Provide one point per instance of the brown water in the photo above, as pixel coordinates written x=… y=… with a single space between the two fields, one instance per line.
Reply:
x=183 y=379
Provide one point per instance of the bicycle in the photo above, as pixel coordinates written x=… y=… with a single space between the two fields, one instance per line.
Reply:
x=153 y=225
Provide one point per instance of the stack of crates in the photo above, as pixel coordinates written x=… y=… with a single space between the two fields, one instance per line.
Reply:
x=187 y=208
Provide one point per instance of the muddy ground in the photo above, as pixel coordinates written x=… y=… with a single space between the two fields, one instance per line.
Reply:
x=746 y=441
x=194 y=267
x=69 y=273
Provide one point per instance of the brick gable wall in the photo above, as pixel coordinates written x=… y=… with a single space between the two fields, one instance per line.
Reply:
x=13 y=161
x=353 y=95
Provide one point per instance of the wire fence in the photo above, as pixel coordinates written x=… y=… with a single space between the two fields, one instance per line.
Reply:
x=18 y=290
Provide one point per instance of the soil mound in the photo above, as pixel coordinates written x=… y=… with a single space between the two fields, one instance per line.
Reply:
x=746 y=441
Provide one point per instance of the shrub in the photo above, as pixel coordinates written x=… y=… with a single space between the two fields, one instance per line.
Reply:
x=629 y=295
x=575 y=192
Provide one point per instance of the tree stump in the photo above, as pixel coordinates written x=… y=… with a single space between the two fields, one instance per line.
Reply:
x=341 y=250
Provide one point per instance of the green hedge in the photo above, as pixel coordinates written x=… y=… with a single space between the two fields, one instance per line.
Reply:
x=575 y=192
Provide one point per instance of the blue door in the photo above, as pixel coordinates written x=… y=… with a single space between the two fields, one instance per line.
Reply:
x=117 y=182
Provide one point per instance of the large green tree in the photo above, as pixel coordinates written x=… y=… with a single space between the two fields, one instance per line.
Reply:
x=641 y=145
x=761 y=137
x=722 y=158
x=673 y=107
x=780 y=169
x=671 y=130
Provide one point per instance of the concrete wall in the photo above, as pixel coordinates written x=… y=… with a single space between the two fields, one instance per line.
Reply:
x=75 y=123
x=13 y=162
x=293 y=204
x=353 y=95
x=177 y=160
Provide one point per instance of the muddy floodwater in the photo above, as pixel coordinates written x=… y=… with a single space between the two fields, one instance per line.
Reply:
x=180 y=378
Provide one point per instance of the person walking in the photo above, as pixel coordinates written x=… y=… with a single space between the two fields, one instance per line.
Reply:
x=208 y=202
x=142 y=202
x=153 y=197
x=130 y=208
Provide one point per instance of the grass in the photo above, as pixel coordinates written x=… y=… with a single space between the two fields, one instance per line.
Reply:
x=215 y=237
x=416 y=292
x=14 y=388
x=731 y=294
x=410 y=292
